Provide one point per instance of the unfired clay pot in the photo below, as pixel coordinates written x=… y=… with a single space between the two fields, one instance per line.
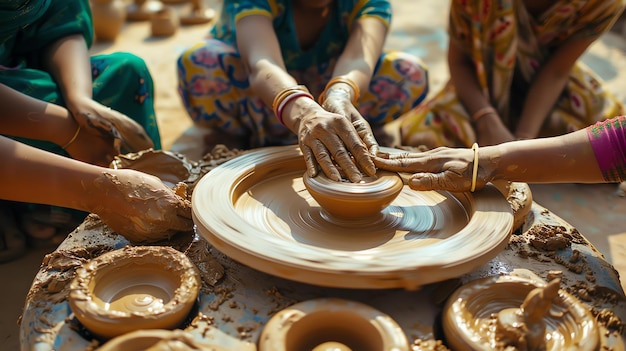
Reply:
x=164 y=23
x=109 y=17
x=136 y=287
x=157 y=339
x=345 y=199
x=472 y=316
x=142 y=10
x=332 y=324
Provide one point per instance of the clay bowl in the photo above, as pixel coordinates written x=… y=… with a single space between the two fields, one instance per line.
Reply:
x=140 y=287
x=345 y=199
x=332 y=324
x=469 y=315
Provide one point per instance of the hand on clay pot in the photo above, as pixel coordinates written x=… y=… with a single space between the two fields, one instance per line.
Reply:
x=139 y=206
x=104 y=132
x=439 y=169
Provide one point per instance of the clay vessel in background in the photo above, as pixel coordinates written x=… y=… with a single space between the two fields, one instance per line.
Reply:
x=142 y=10
x=109 y=17
x=199 y=14
x=164 y=23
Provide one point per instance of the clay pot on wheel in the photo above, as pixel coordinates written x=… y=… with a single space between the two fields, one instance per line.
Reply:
x=109 y=17
x=141 y=287
x=348 y=200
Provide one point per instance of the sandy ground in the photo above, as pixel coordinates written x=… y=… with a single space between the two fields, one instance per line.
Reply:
x=419 y=27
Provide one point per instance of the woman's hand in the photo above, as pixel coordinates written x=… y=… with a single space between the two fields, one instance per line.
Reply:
x=330 y=140
x=339 y=101
x=139 y=206
x=439 y=169
x=104 y=132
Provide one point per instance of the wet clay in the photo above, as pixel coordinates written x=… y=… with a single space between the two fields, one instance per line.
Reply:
x=349 y=200
x=332 y=324
x=525 y=327
x=140 y=287
x=500 y=313
x=158 y=340
x=269 y=220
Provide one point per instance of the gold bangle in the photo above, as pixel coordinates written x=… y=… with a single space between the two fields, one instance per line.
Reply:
x=73 y=138
x=482 y=113
x=475 y=170
x=341 y=79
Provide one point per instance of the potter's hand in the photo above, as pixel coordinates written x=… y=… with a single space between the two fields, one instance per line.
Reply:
x=140 y=207
x=339 y=101
x=330 y=139
x=106 y=120
x=439 y=169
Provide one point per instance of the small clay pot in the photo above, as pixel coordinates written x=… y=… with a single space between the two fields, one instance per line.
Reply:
x=332 y=324
x=349 y=200
x=164 y=23
x=136 y=287
x=109 y=17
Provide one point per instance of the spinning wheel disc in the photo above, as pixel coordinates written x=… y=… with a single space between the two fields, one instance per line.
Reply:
x=256 y=209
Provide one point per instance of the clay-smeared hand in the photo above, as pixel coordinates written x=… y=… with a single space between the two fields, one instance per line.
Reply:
x=438 y=169
x=139 y=206
x=490 y=130
x=104 y=133
x=330 y=140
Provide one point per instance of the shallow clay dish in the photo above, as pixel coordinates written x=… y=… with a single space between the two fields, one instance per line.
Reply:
x=345 y=199
x=136 y=287
x=332 y=324
x=468 y=316
x=256 y=209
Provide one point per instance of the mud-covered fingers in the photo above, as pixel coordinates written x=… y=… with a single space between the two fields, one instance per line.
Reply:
x=400 y=164
x=325 y=160
x=367 y=136
x=439 y=181
x=309 y=160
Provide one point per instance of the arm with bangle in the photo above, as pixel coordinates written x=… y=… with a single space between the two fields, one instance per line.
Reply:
x=326 y=139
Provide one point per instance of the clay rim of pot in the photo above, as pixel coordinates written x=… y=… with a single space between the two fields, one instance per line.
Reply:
x=165 y=262
x=467 y=304
x=314 y=322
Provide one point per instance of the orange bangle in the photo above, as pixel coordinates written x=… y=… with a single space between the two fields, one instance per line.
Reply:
x=342 y=79
x=482 y=113
x=286 y=92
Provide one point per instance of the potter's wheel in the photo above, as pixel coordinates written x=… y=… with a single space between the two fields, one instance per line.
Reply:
x=256 y=209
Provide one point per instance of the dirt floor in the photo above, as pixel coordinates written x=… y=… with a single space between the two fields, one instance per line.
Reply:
x=419 y=27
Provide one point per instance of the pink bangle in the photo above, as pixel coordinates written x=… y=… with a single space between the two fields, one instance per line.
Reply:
x=286 y=100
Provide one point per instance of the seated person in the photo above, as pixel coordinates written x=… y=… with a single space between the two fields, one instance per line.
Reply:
x=96 y=106
x=313 y=73
x=515 y=73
